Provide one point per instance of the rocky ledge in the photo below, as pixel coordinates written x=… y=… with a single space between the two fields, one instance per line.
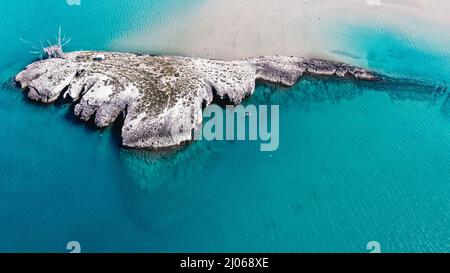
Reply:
x=161 y=97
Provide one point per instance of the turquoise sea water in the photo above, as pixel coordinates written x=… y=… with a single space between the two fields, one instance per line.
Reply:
x=356 y=162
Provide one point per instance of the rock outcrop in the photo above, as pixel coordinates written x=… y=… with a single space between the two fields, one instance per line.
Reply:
x=161 y=97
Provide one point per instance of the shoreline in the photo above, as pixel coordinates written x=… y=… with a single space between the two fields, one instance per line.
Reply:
x=238 y=29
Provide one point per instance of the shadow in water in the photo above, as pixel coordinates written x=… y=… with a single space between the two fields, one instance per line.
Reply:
x=164 y=182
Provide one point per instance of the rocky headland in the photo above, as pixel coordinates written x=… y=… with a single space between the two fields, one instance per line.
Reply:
x=162 y=97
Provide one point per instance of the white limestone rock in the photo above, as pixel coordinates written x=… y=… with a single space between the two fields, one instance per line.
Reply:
x=161 y=96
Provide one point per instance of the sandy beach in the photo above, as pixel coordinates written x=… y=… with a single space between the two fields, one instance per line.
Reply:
x=235 y=29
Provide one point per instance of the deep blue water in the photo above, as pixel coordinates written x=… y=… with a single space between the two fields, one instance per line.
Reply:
x=356 y=162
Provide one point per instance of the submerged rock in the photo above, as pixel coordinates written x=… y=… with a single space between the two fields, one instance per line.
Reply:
x=162 y=97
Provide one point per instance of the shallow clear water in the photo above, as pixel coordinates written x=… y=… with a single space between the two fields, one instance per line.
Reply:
x=356 y=162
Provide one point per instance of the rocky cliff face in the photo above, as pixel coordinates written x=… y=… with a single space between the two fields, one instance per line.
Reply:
x=161 y=97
